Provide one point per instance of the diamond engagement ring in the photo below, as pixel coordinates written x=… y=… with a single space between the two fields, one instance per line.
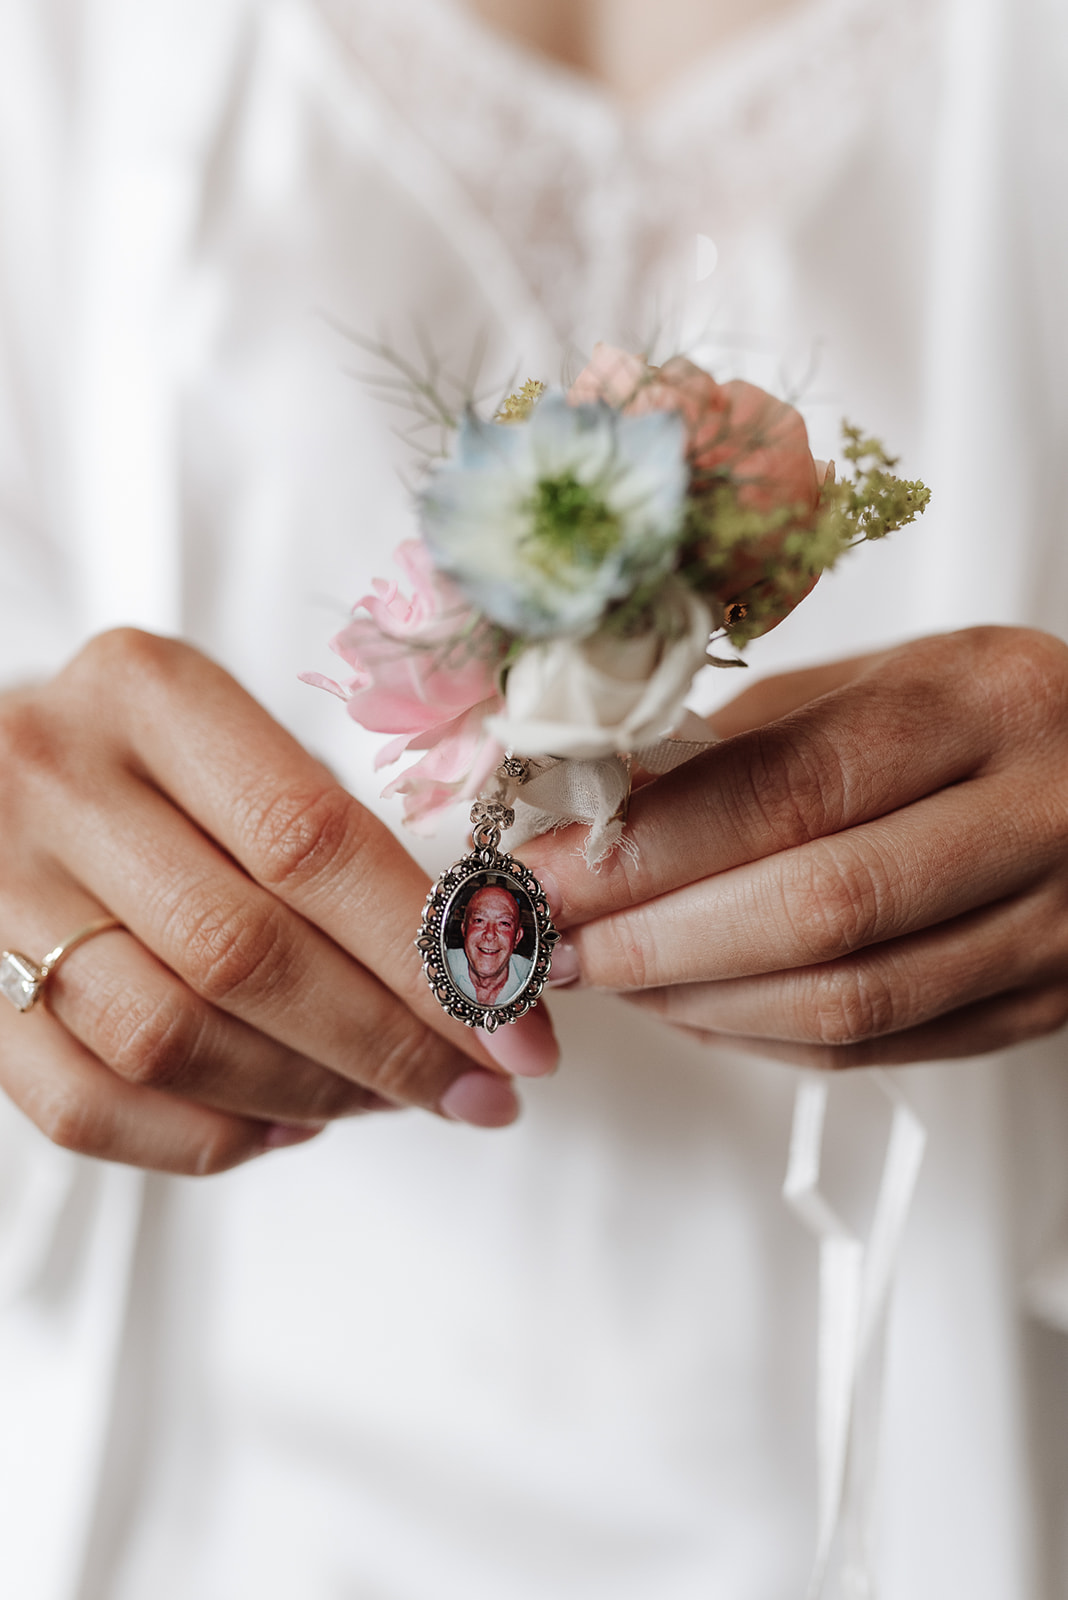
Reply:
x=22 y=981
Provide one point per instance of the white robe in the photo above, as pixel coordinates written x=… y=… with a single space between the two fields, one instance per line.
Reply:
x=413 y=1361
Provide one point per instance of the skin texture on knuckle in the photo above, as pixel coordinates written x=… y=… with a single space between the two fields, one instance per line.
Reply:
x=834 y=901
x=124 y=658
x=1019 y=677
x=794 y=781
x=1021 y=695
x=622 y=952
x=237 y=952
x=151 y=1042
x=69 y=1118
x=411 y=1063
x=299 y=835
x=32 y=757
x=119 y=683
x=850 y=1005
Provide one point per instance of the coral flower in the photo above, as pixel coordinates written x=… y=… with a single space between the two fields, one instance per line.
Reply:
x=739 y=439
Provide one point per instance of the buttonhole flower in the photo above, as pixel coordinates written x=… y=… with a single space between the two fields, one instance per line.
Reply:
x=545 y=521
x=609 y=693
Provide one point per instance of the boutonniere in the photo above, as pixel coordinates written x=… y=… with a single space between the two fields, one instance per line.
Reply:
x=582 y=556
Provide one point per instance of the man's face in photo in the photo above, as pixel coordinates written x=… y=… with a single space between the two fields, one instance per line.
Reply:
x=491 y=932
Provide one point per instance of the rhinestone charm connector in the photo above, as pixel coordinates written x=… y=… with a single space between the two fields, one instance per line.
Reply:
x=492 y=814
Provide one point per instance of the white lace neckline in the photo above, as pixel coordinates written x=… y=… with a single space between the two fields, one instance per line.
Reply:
x=769 y=46
x=592 y=198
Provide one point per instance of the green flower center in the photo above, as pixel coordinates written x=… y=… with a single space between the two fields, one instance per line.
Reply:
x=569 y=525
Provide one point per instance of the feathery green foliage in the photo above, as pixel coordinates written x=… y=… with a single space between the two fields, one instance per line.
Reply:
x=761 y=563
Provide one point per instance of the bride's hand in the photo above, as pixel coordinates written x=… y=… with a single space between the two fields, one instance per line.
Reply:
x=267 y=982
x=873 y=867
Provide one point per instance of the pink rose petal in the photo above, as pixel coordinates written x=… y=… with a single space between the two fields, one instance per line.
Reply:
x=421 y=671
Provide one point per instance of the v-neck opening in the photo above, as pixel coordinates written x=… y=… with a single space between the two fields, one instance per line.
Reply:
x=761 y=48
x=594 y=204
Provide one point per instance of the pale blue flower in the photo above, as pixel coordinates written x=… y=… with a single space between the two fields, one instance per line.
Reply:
x=544 y=523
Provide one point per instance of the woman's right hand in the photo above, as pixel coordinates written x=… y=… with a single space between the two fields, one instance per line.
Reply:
x=265 y=980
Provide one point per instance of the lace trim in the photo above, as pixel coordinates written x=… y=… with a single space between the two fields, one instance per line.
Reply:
x=594 y=201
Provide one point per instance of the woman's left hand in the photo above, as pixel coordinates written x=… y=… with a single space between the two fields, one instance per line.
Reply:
x=872 y=867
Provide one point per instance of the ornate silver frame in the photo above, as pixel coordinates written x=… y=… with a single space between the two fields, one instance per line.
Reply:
x=430 y=943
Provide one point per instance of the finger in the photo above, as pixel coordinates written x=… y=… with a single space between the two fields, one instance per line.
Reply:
x=245 y=953
x=771 y=698
x=281 y=814
x=925 y=864
x=975 y=1030
x=140 y=1021
x=78 y=1104
x=144 y=1024
x=882 y=741
x=888 y=988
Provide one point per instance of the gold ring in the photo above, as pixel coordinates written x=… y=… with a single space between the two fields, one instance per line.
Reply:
x=22 y=981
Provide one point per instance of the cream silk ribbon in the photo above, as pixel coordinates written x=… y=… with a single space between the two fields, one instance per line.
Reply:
x=856 y=1281
x=555 y=793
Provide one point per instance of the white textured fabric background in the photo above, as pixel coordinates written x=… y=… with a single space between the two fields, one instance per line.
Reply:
x=574 y=1359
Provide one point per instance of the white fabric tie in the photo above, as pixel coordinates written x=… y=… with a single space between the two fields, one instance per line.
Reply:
x=856 y=1280
x=556 y=793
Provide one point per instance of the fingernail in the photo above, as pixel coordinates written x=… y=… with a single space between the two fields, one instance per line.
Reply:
x=282 y=1134
x=481 y=1099
x=527 y=1047
x=565 y=965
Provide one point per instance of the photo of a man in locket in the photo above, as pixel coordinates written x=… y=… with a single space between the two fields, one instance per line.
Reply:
x=483 y=932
